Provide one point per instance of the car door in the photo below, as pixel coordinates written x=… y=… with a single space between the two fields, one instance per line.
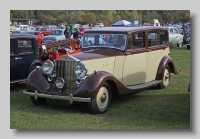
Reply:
x=26 y=55
x=13 y=60
x=134 y=66
x=156 y=49
x=172 y=36
x=178 y=36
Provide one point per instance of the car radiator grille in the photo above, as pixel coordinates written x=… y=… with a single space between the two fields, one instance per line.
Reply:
x=65 y=70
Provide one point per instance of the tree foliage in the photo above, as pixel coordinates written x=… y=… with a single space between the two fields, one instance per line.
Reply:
x=105 y=16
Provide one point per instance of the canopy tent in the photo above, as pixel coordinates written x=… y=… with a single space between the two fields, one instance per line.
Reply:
x=122 y=23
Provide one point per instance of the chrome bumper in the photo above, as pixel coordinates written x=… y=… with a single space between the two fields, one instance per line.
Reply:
x=70 y=98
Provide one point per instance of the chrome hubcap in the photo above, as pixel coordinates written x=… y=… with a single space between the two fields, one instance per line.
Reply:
x=103 y=97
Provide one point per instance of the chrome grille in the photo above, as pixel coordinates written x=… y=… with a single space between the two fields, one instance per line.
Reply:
x=65 y=70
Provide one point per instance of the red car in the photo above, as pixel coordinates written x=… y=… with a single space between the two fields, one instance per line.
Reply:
x=45 y=32
x=38 y=34
x=83 y=28
x=53 y=51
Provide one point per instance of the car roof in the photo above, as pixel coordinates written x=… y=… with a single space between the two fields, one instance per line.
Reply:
x=123 y=29
x=22 y=36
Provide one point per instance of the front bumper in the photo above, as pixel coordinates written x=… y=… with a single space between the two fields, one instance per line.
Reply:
x=70 y=98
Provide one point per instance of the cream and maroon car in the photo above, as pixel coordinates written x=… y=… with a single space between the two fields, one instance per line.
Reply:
x=114 y=60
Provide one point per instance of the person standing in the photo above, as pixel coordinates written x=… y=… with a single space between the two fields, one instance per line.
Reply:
x=68 y=34
x=186 y=33
x=77 y=33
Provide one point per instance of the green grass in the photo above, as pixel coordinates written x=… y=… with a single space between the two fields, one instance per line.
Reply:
x=151 y=109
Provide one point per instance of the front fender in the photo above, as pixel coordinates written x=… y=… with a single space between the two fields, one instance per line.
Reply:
x=166 y=60
x=92 y=84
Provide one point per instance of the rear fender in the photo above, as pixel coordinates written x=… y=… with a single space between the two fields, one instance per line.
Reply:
x=166 y=60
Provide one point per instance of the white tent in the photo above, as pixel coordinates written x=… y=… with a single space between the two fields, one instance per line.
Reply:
x=122 y=23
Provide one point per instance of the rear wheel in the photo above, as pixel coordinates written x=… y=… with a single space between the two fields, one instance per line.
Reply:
x=39 y=101
x=166 y=78
x=180 y=44
x=101 y=102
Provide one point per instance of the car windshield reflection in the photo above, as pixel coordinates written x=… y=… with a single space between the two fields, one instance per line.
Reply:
x=117 y=41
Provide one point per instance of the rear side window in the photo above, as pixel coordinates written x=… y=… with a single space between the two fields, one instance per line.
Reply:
x=12 y=46
x=25 y=45
x=157 y=38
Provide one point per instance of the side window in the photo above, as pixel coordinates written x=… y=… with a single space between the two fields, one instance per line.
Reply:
x=170 y=30
x=25 y=45
x=12 y=46
x=175 y=30
x=138 y=40
x=153 y=38
x=163 y=37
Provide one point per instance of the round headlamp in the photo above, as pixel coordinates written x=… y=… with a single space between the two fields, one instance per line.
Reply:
x=80 y=70
x=48 y=67
x=188 y=40
x=59 y=83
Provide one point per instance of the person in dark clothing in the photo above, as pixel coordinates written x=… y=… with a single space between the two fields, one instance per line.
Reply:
x=77 y=34
x=67 y=33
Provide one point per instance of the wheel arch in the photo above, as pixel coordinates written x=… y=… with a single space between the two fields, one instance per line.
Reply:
x=166 y=60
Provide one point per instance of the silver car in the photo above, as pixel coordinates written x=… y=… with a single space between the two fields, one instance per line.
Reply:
x=55 y=35
x=175 y=37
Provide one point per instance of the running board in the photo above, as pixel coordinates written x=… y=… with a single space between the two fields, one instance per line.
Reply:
x=144 y=85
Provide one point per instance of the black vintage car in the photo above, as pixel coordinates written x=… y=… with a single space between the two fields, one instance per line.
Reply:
x=23 y=56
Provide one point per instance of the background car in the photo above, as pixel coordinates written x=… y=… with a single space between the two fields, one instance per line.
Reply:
x=38 y=34
x=23 y=56
x=175 y=38
x=45 y=31
x=55 y=35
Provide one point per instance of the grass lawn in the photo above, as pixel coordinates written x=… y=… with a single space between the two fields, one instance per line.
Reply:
x=150 y=109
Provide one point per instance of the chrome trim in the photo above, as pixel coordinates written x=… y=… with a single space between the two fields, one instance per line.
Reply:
x=70 y=98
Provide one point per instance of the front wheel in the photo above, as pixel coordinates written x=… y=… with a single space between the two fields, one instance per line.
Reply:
x=101 y=102
x=180 y=44
x=166 y=78
x=188 y=47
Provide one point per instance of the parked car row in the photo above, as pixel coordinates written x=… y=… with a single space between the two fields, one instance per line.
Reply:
x=113 y=60
x=26 y=54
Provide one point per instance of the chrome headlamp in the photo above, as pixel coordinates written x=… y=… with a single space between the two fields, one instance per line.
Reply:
x=188 y=40
x=60 y=82
x=48 y=67
x=80 y=70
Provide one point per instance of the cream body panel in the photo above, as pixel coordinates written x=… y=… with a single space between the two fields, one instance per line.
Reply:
x=135 y=69
x=119 y=66
x=103 y=64
x=153 y=60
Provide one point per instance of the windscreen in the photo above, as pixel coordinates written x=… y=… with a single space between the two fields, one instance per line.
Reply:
x=104 y=40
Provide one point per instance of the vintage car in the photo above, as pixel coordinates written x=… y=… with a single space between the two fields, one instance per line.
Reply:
x=55 y=35
x=45 y=31
x=23 y=56
x=57 y=49
x=129 y=60
x=38 y=34
x=83 y=28
x=175 y=37
x=188 y=42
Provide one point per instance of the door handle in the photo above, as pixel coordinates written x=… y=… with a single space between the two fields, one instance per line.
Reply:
x=18 y=58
